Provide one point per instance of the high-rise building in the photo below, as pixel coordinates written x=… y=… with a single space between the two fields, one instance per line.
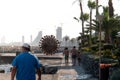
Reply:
x=23 y=39
x=31 y=39
x=59 y=34
x=36 y=41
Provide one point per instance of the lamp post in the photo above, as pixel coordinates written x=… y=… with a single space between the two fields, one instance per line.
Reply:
x=100 y=19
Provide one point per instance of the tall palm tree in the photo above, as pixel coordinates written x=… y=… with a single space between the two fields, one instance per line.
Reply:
x=111 y=9
x=84 y=17
x=97 y=8
x=81 y=14
x=108 y=26
x=80 y=1
x=91 y=5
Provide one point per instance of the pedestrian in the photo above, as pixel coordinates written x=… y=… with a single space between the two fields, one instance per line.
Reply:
x=79 y=57
x=66 y=55
x=74 y=55
x=26 y=65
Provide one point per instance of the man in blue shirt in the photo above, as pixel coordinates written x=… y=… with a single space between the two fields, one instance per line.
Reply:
x=25 y=65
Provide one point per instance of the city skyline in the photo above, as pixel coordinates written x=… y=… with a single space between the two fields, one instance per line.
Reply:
x=58 y=35
x=36 y=40
x=28 y=17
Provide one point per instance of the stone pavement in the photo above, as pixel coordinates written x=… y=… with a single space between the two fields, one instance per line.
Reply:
x=65 y=72
x=69 y=72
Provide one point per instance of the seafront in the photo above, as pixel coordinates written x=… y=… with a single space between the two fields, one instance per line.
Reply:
x=64 y=72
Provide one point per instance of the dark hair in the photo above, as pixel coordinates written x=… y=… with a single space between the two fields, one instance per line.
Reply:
x=28 y=49
x=66 y=48
x=74 y=46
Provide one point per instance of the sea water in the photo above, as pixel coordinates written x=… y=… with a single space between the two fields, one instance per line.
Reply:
x=6 y=67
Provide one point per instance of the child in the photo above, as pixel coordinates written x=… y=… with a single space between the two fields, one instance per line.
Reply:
x=79 y=58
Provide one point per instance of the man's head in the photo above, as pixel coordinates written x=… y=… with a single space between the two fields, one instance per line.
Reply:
x=26 y=47
x=74 y=46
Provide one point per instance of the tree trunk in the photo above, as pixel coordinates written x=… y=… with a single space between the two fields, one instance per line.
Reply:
x=82 y=24
x=111 y=10
x=97 y=9
x=82 y=17
x=97 y=13
x=107 y=37
x=90 y=26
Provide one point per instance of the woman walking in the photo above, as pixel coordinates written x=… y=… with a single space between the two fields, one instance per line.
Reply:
x=66 y=55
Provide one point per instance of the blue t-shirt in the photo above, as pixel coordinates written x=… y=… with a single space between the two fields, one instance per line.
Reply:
x=26 y=64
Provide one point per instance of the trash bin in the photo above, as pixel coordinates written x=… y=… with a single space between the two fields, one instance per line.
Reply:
x=104 y=74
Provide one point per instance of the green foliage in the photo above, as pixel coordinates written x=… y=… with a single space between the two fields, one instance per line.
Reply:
x=107 y=53
x=94 y=47
x=117 y=52
x=94 y=39
x=113 y=34
x=85 y=17
x=86 y=49
x=115 y=75
x=91 y=4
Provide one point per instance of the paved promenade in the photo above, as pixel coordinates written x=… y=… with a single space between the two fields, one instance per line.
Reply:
x=65 y=72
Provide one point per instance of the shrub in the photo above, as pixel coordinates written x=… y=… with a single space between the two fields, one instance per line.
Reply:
x=86 y=49
x=107 y=53
x=94 y=47
x=115 y=75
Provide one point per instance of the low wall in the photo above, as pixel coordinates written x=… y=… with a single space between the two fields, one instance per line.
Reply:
x=9 y=59
x=6 y=59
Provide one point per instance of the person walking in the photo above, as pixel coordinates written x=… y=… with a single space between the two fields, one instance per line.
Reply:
x=74 y=55
x=79 y=57
x=66 y=55
x=26 y=65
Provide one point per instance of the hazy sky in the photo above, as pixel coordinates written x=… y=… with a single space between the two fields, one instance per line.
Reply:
x=28 y=17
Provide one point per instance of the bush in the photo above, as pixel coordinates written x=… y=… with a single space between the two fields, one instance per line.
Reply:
x=86 y=49
x=115 y=75
x=107 y=53
x=117 y=52
x=95 y=47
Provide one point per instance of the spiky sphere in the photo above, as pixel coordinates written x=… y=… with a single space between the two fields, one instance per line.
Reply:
x=49 y=44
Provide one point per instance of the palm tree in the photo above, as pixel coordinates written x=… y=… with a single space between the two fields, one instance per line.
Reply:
x=91 y=5
x=108 y=24
x=81 y=14
x=84 y=18
x=111 y=9
x=97 y=8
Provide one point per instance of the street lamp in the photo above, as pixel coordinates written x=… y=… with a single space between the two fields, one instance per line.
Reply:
x=100 y=19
